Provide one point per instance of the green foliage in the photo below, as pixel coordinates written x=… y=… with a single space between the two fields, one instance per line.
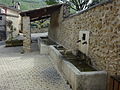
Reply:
x=10 y=26
x=25 y=4
x=6 y=2
x=13 y=43
x=51 y=2
x=40 y=24
x=78 y=5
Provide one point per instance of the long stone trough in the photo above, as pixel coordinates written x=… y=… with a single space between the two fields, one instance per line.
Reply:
x=78 y=80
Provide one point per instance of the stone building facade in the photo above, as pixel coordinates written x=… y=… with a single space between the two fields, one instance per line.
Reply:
x=103 y=22
x=9 y=14
x=2 y=27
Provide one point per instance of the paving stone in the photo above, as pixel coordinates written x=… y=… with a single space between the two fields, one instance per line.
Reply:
x=28 y=71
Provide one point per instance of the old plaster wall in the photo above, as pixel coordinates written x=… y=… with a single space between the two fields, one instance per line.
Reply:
x=15 y=17
x=103 y=22
x=54 y=25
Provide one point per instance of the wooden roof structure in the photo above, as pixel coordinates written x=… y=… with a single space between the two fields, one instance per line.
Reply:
x=41 y=13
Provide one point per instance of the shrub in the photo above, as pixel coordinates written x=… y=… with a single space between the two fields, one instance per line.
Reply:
x=13 y=43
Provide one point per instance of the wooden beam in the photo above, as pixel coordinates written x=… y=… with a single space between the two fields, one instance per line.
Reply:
x=41 y=12
x=39 y=18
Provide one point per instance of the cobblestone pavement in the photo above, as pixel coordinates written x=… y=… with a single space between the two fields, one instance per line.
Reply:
x=28 y=71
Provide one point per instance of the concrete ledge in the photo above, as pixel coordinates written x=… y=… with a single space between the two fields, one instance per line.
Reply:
x=93 y=80
x=55 y=58
x=43 y=48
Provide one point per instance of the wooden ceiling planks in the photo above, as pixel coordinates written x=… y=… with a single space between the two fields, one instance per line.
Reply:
x=41 y=13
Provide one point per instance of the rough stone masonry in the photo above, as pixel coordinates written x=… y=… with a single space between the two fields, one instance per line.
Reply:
x=27 y=34
x=103 y=22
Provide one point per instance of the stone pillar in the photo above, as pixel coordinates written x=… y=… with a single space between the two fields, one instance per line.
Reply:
x=26 y=34
x=66 y=10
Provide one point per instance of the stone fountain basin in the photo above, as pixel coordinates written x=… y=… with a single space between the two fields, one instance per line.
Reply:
x=43 y=44
x=79 y=63
x=79 y=80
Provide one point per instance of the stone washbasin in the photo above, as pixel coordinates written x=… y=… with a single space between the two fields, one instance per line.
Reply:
x=79 y=63
x=77 y=72
x=43 y=43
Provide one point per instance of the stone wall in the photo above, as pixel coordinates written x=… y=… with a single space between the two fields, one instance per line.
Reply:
x=26 y=34
x=55 y=22
x=15 y=17
x=2 y=27
x=103 y=22
x=37 y=30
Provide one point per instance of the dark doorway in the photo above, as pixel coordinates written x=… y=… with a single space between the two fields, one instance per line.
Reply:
x=2 y=35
